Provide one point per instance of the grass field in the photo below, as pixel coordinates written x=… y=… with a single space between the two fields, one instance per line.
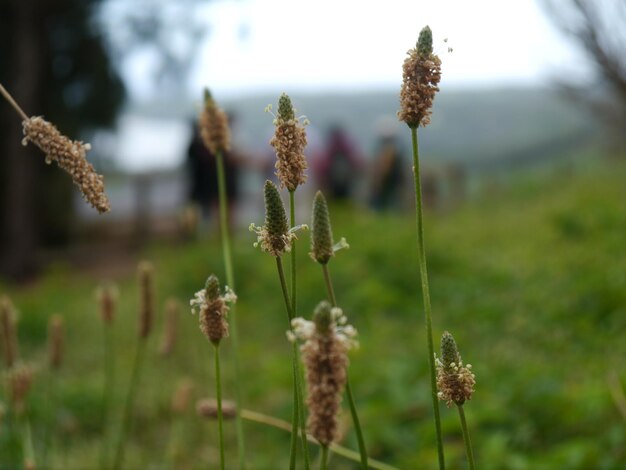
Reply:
x=531 y=280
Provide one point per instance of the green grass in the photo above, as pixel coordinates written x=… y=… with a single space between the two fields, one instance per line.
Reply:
x=531 y=280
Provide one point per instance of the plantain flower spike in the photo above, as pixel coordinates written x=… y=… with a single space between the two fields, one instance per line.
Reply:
x=455 y=381
x=322 y=247
x=8 y=332
x=275 y=236
x=214 y=128
x=421 y=74
x=70 y=155
x=146 y=299
x=55 y=342
x=207 y=409
x=213 y=309
x=289 y=141
x=326 y=342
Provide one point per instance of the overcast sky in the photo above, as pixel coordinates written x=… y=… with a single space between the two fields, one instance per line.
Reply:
x=253 y=45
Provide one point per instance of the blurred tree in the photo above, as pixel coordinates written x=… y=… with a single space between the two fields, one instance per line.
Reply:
x=54 y=63
x=599 y=28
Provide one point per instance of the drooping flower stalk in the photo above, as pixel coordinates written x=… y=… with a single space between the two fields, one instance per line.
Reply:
x=455 y=382
x=69 y=154
x=146 y=318
x=322 y=250
x=216 y=136
x=421 y=75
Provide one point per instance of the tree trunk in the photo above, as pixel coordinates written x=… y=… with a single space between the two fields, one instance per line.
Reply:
x=18 y=251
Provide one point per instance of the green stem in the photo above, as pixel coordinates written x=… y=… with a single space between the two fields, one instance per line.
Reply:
x=230 y=279
x=294 y=309
x=50 y=415
x=351 y=403
x=27 y=444
x=329 y=285
x=218 y=387
x=294 y=424
x=129 y=405
x=466 y=438
x=298 y=404
x=324 y=458
x=426 y=295
x=335 y=448
x=107 y=400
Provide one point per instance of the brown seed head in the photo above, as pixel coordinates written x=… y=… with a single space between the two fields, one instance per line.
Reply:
x=19 y=378
x=421 y=74
x=70 y=155
x=455 y=381
x=214 y=126
x=146 y=299
x=8 y=332
x=182 y=396
x=55 y=342
x=107 y=297
x=172 y=310
x=213 y=309
x=207 y=408
x=289 y=141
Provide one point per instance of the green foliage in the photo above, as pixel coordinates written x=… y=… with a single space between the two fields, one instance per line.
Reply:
x=540 y=314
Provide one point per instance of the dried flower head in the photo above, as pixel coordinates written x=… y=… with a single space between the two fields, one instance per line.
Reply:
x=146 y=298
x=326 y=342
x=421 y=74
x=172 y=310
x=455 y=381
x=55 y=341
x=213 y=309
x=70 y=155
x=8 y=332
x=275 y=236
x=322 y=247
x=207 y=408
x=182 y=396
x=107 y=295
x=214 y=126
x=289 y=141
x=19 y=379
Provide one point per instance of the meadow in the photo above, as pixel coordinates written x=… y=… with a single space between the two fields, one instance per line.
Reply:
x=529 y=276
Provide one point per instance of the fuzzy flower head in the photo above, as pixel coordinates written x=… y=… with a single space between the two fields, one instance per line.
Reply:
x=70 y=155
x=275 y=236
x=326 y=342
x=421 y=74
x=213 y=309
x=322 y=246
x=455 y=381
x=214 y=128
x=289 y=141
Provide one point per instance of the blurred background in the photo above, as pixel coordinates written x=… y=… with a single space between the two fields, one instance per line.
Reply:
x=524 y=185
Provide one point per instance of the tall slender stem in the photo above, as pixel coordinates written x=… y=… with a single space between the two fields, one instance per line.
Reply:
x=294 y=423
x=50 y=417
x=298 y=404
x=294 y=309
x=129 y=405
x=351 y=403
x=421 y=252
x=107 y=399
x=466 y=438
x=324 y=458
x=230 y=279
x=218 y=387
x=13 y=103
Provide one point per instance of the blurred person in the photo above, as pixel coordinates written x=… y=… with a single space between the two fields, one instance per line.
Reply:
x=388 y=182
x=203 y=184
x=339 y=165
